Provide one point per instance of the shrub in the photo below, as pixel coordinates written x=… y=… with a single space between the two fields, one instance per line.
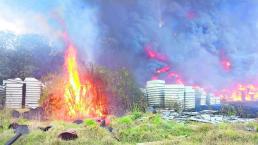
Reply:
x=5 y=118
x=136 y=115
x=90 y=122
x=156 y=120
x=125 y=120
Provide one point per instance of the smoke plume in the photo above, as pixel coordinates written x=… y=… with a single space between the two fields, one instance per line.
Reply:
x=211 y=43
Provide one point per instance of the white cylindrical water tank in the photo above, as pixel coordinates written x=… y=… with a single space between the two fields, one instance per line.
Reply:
x=155 y=93
x=214 y=100
x=203 y=99
x=174 y=93
x=200 y=95
x=13 y=90
x=33 y=92
x=189 y=100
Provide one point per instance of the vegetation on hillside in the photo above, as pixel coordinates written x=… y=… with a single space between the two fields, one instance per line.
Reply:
x=27 y=56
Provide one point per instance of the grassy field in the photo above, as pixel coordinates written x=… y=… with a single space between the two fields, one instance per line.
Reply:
x=133 y=129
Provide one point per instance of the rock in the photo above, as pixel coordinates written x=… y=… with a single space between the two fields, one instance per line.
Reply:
x=78 y=121
x=13 y=125
x=23 y=129
x=103 y=123
x=152 y=110
x=68 y=135
x=45 y=128
x=166 y=113
x=15 y=114
x=110 y=129
x=251 y=129
x=34 y=114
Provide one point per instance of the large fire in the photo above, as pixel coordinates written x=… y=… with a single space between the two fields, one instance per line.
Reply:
x=239 y=92
x=82 y=97
x=77 y=94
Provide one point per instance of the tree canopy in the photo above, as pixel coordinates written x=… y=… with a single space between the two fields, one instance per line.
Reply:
x=27 y=56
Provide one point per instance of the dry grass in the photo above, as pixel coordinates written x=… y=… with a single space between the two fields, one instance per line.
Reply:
x=147 y=129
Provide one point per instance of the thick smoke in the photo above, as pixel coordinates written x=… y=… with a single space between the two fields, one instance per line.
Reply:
x=211 y=43
x=199 y=37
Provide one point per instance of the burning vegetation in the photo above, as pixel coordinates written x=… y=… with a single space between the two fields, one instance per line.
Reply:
x=240 y=92
x=80 y=96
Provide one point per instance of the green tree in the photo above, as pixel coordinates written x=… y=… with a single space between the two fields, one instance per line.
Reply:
x=126 y=89
x=16 y=63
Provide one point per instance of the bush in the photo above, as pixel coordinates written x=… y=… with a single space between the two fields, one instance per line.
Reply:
x=228 y=110
x=90 y=122
x=156 y=120
x=5 y=118
x=136 y=115
x=125 y=120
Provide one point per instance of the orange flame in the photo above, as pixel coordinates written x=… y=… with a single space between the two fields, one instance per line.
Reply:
x=81 y=100
x=241 y=93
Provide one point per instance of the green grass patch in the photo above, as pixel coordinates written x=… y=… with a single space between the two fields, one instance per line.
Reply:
x=90 y=122
x=126 y=120
x=136 y=115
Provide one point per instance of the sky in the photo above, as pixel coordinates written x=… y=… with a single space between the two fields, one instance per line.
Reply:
x=211 y=43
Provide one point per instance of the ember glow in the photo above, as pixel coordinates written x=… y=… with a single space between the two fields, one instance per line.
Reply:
x=226 y=64
x=82 y=98
x=152 y=54
x=163 y=69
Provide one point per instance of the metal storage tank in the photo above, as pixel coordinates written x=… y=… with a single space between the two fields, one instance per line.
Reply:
x=174 y=94
x=14 y=92
x=33 y=92
x=155 y=93
x=189 y=100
